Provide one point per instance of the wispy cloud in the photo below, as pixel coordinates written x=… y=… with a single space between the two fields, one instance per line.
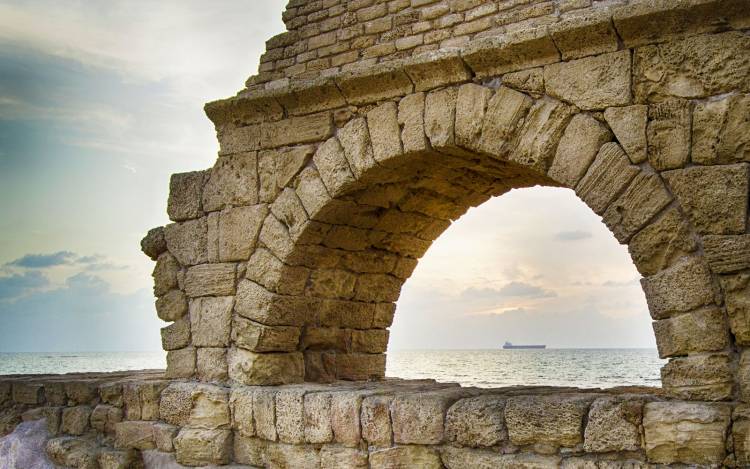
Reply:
x=576 y=235
x=17 y=285
x=42 y=261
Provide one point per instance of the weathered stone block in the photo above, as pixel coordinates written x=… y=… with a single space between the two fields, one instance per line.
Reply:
x=737 y=299
x=505 y=112
x=73 y=452
x=176 y=335
x=540 y=134
x=460 y=458
x=209 y=407
x=180 y=363
x=302 y=457
x=584 y=34
x=355 y=141
x=258 y=304
x=440 y=117
x=642 y=200
x=360 y=366
x=685 y=432
x=172 y=306
x=577 y=149
x=317 y=418
x=211 y=364
x=593 y=82
x=187 y=241
x=726 y=254
x=277 y=168
x=743 y=375
x=629 y=126
x=471 y=104
x=369 y=341
x=165 y=274
x=28 y=393
x=405 y=456
x=661 y=243
x=185 y=191
x=241 y=405
x=312 y=191
x=199 y=447
x=668 y=133
x=721 y=131
x=695 y=67
x=614 y=425
x=555 y=421
x=419 y=418
x=376 y=421
x=233 y=233
x=715 y=197
x=290 y=414
x=477 y=421
x=164 y=435
x=683 y=287
x=741 y=434
x=265 y=269
x=699 y=377
x=119 y=459
x=345 y=417
x=176 y=403
x=704 y=330
x=332 y=283
x=135 y=434
x=376 y=84
x=333 y=167
x=154 y=244
x=210 y=280
x=385 y=134
x=250 y=451
x=75 y=420
x=265 y=368
x=333 y=457
x=211 y=320
x=513 y=51
x=233 y=181
x=437 y=68
x=258 y=337
x=303 y=129
x=607 y=176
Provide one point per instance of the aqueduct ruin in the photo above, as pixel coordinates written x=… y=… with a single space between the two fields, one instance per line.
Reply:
x=373 y=125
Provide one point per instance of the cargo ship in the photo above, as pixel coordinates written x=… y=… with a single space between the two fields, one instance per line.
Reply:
x=508 y=345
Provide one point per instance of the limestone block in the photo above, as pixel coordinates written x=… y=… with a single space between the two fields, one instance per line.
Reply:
x=737 y=300
x=377 y=429
x=505 y=112
x=164 y=435
x=459 y=458
x=28 y=393
x=283 y=456
x=241 y=406
x=743 y=376
x=540 y=134
x=334 y=457
x=325 y=338
x=726 y=254
x=165 y=274
x=385 y=134
x=419 y=418
x=354 y=138
x=402 y=457
x=471 y=104
x=411 y=119
x=187 y=241
x=529 y=81
x=75 y=420
x=233 y=181
x=198 y=447
x=302 y=129
x=234 y=139
x=629 y=126
x=360 y=366
x=53 y=416
x=278 y=167
x=741 y=434
x=258 y=304
x=440 y=117
x=585 y=34
x=176 y=335
x=265 y=269
x=312 y=191
x=235 y=232
x=147 y=394
x=714 y=197
x=111 y=393
x=699 y=377
x=250 y=451
x=276 y=237
x=556 y=421
x=577 y=149
x=704 y=330
x=135 y=434
x=661 y=243
x=683 y=287
x=332 y=283
x=345 y=417
x=591 y=83
x=513 y=51
x=264 y=413
x=73 y=452
x=154 y=244
x=614 y=425
x=437 y=68
x=721 y=131
x=318 y=95
x=210 y=280
x=119 y=459
x=695 y=67
x=374 y=84
x=607 y=176
x=172 y=305
x=211 y=320
x=685 y=432
x=370 y=341
x=180 y=363
x=81 y=391
x=374 y=288
x=288 y=209
x=320 y=367
x=258 y=337
x=185 y=192
x=333 y=167
x=642 y=200
x=668 y=134
x=211 y=364
x=290 y=415
x=265 y=368
x=477 y=421
x=317 y=418
x=209 y=407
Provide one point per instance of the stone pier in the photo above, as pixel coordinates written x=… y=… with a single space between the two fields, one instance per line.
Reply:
x=371 y=126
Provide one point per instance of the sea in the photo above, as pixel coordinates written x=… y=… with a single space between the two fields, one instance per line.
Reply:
x=585 y=368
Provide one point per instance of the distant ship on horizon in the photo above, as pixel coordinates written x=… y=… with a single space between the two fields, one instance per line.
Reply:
x=508 y=345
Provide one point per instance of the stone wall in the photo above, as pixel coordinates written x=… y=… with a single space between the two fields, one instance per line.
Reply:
x=118 y=421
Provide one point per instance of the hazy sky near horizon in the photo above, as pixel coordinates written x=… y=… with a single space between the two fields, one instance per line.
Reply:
x=101 y=101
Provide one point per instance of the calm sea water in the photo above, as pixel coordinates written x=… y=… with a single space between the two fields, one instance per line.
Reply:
x=482 y=368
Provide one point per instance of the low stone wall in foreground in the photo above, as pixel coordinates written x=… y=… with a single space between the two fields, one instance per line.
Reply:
x=108 y=420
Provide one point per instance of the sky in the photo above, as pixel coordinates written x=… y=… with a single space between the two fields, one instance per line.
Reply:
x=101 y=101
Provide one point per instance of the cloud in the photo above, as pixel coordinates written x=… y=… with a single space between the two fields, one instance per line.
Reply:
x=17 y=285
x=43 y=261
x=574 y=235
x=509 y=290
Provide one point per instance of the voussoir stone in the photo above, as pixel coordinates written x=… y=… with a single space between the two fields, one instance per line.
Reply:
x=685 y=432
x=637 y=205
x=411 y=119
x=662 y=242
x=614 y=425
x=727 y=254
x=260 y=305
x=683 y=287
x=629 y=126
x=577 y=149
x=609 y=174
x=471 y=104
x=737 y=299
x=591 y=83
x=540 y=134
x=477 y=421
x=334 y=168
x=554 y=421
x=278 y=167
x=385 y=134
x=505 y=112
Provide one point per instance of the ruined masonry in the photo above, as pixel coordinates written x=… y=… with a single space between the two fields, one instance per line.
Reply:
x=370 y=127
